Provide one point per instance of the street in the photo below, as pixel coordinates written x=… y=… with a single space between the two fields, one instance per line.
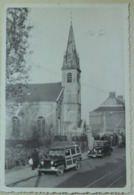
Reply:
x=109 y=171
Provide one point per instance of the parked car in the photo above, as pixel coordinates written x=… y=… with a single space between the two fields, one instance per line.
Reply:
x=61 y=159
x=100 y=149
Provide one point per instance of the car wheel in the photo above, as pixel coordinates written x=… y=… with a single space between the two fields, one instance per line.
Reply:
x=39 y=173
x=60 y=170
x=78 y=165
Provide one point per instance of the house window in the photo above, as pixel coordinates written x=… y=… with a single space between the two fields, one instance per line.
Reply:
x=15 y=127
x=69 y=77
x=41 y=124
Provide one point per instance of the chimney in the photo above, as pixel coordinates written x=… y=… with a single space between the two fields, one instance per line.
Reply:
x=112 y=94
x=120 y=97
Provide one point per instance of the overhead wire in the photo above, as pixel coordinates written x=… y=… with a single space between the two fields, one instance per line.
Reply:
x=52 y=35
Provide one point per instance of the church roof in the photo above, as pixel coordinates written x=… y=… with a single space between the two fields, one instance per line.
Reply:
x=71 y=59
x=43 y=92
x=112 y=103
x=71 y=42
x=48 y=92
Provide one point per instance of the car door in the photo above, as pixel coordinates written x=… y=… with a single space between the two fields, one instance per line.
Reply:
x=68 y=159
x=74 y=156
x=104 y=148
x=107 y=147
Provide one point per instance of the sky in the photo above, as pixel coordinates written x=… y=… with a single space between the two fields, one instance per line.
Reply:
x=100 y=33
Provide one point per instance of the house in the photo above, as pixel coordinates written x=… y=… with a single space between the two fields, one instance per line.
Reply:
x=109 y=117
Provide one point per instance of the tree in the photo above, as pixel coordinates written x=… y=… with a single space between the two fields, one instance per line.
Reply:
x=17 y=48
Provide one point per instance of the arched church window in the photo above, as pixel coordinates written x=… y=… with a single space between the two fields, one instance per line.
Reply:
x=69 y=77
x=41 y=124
x=15 y=127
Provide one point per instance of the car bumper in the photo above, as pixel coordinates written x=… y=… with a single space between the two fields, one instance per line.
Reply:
x=95 y=155
x=51 y=169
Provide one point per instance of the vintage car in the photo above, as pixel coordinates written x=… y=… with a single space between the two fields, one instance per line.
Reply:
x=61 y=159
x=100 y=149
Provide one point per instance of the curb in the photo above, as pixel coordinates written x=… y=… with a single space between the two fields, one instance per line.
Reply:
x=30 y=177
x=14 y=183
x=25 y=179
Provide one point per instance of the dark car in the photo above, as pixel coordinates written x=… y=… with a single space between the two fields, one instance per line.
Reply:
x=100 y=149
x=61 y=159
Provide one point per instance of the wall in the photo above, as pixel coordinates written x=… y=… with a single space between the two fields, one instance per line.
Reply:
x=28 y=114
x=72 y=100
x=107 y=122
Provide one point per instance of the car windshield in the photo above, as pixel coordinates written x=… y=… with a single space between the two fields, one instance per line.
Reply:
x=100 y=144
x=57 y=152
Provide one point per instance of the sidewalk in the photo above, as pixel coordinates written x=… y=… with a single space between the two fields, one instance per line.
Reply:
x=20 y=174
x=16 y=175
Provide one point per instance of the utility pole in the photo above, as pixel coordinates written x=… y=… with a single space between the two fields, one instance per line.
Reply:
x=104 y=122
x=90 y=139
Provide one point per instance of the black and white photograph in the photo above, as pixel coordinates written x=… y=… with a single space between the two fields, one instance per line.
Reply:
x=66 y=98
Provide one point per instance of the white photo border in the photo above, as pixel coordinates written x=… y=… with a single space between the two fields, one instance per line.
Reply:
x=126 y=189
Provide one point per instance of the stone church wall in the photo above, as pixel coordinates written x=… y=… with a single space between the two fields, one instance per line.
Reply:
x=27 y=117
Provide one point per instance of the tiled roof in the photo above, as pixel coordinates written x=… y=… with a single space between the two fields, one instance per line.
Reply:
x=40 y=92
x=71 y=59
x=112 y=103
x=43 y=92
x=110 y=108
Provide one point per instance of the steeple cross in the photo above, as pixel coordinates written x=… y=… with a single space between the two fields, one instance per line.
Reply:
x=71 y=17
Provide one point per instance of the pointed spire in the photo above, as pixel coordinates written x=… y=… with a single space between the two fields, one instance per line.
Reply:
x=71 y=59
x=70 y=18
x=71 y=42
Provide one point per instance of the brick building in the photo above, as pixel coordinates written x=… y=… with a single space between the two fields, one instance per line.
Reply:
x=109 y=117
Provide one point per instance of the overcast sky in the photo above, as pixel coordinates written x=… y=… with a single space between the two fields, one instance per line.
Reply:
x=99 y=36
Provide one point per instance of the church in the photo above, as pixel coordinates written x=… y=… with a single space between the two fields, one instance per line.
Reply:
x=49 y=108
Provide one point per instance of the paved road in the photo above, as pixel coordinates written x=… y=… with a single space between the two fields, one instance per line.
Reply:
x=109 y=171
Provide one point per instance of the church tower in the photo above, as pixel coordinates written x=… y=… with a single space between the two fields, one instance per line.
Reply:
x=71 y=82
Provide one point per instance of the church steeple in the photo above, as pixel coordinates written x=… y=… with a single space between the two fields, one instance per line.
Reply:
x=71 y=59
x=71 y=83
x=71 y=42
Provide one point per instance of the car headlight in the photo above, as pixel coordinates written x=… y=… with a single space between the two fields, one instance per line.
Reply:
x=89 y=151
x=95 y=150
x=99 y=151
x=42 y=163
x=52 y=162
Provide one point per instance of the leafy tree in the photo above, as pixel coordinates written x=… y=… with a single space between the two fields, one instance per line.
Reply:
x=17 y=48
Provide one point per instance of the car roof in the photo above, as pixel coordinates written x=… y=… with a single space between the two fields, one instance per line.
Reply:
x=101 y=141
x=64 y=147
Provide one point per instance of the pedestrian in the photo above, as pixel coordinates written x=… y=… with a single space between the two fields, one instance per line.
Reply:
x=30 y=161
x=46 y=155
x=35 y=157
